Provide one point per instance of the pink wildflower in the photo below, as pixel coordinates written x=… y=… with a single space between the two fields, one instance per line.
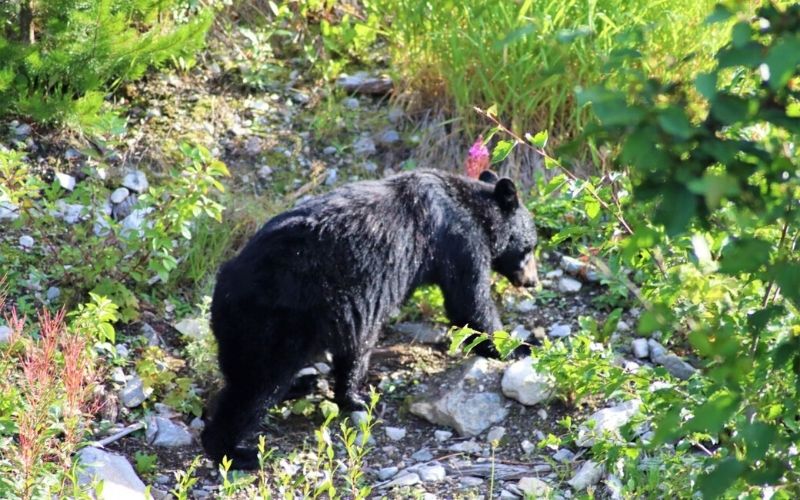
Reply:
x=477 y=159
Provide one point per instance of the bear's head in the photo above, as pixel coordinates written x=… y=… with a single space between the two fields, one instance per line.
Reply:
x=514 y=233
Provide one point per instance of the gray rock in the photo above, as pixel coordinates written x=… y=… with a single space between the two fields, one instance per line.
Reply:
x=253 y=145
x=124 y=208
x=555 y=273
x=615 y=487
x=534 y=487
x=5 y=334
x=197 y=424
x=136 y=181
x=134 y=222
x=53 y=293
x=363 y=83
x=569 y=285
x=370 y=166
x=431 y=473
x=149 y=333
x=495 y=433
x=469 y=446
x=264 y=173
x=351 y=103
x=119 y=195
x=422 y=455
x=469 y=399
x=192 y=327
x=424 y=333
x=520 y=333
x=26 y=241
x=606 y=421
x=558 y=330
x=395 y=115
x=526 y=385
x=21 y=131
x=470 y=481
x=442 y=436
x=133 y=394
x=388 y=137
x=395 y=433
x=623 y=326
x=588 y=475
x=66 y=181
x=331 y=176
x=563 y=455
x=526 y=306
x=8 y=211
x=322 y=368
x=71 y=213
x=672 y=363
x=364 y=146
x=164 y=432
x=359 y=417
x=640 y=348
x=579 y=268
x=527 y=447
x=120 y=482
x=72 y=154
x=387 y=473
x=329 y=150
x=405 y=479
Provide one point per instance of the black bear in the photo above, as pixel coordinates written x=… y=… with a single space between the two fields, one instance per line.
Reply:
x=326 y=274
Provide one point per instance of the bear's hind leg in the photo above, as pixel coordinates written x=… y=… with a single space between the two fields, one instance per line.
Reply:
x=349 y=372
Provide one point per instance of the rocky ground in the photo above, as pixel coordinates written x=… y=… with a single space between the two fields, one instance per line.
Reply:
x=449 y=425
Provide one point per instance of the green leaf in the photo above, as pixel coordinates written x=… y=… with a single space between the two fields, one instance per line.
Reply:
x=505 y=343
x=714 y=484
x=515 y=35
x=676 y=208
x=539 y=140
x=744 y=255
x=502 y=150
x=618 y=112
x=715 y=186
x=749 y=56
x=655 y=318
x=730 y=109
x=741 y=34
x=757 y=437
x=706 y=84
x=787 y=274
x=592 y=208
x=782 y=61
x=712 y=415
x=759 y=320
x=720 y=13
x=674 y=121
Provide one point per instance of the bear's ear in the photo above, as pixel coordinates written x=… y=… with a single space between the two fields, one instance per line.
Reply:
x=488 y=177
x=505 y=192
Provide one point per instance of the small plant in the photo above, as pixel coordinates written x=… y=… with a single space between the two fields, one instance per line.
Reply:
x=145 y=463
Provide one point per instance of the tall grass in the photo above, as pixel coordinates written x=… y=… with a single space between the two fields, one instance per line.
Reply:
x=528 y=56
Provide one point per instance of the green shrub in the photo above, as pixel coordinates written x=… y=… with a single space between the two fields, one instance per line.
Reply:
x=527 y=57
x=60 y=65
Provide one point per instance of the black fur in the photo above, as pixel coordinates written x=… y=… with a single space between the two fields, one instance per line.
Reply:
x=326 y=274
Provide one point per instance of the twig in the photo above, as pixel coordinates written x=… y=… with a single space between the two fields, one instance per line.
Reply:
x=566 y=172
x=119 y=435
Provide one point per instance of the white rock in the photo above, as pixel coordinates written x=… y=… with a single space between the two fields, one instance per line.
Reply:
x=534 y=487
x=136 y=181
x=120 y=482
x=395 y=433
x=164 y=432
x=589 y=474
x=424 y=333
x=569 y=285
x=526 y=306
x=519 y=332
x=527 y=446
x=526 y=385
x=640 y=348
x=542 y=413
x=495 y=433
x=387 y=473
x=322 y=368
x=192 y=327
x=623 y=326
x=26 y=241
x=264 y=172
x=405 y=479
x=431 y=473
x=133 y=394
x=8 y=211
x=615 y=487
x=607 y=420
x=119 y=195
x=66 y=181
x=22 y=130
x=559 y=330
x=5 y=334
x=442 y=436
x=469 y=400
x=556 y=273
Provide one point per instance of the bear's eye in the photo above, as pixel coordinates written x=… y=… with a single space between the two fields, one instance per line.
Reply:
x=527 y=250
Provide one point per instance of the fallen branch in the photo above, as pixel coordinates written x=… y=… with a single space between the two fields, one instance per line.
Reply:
x=117 y=436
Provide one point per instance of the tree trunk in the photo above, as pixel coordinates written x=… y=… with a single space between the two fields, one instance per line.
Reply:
x=26 y=30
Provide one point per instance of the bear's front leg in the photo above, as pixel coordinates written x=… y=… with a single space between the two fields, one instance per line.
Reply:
x=349 y=372
x=468 y=301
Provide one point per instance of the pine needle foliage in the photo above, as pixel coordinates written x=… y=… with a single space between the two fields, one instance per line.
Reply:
x=80 y=50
